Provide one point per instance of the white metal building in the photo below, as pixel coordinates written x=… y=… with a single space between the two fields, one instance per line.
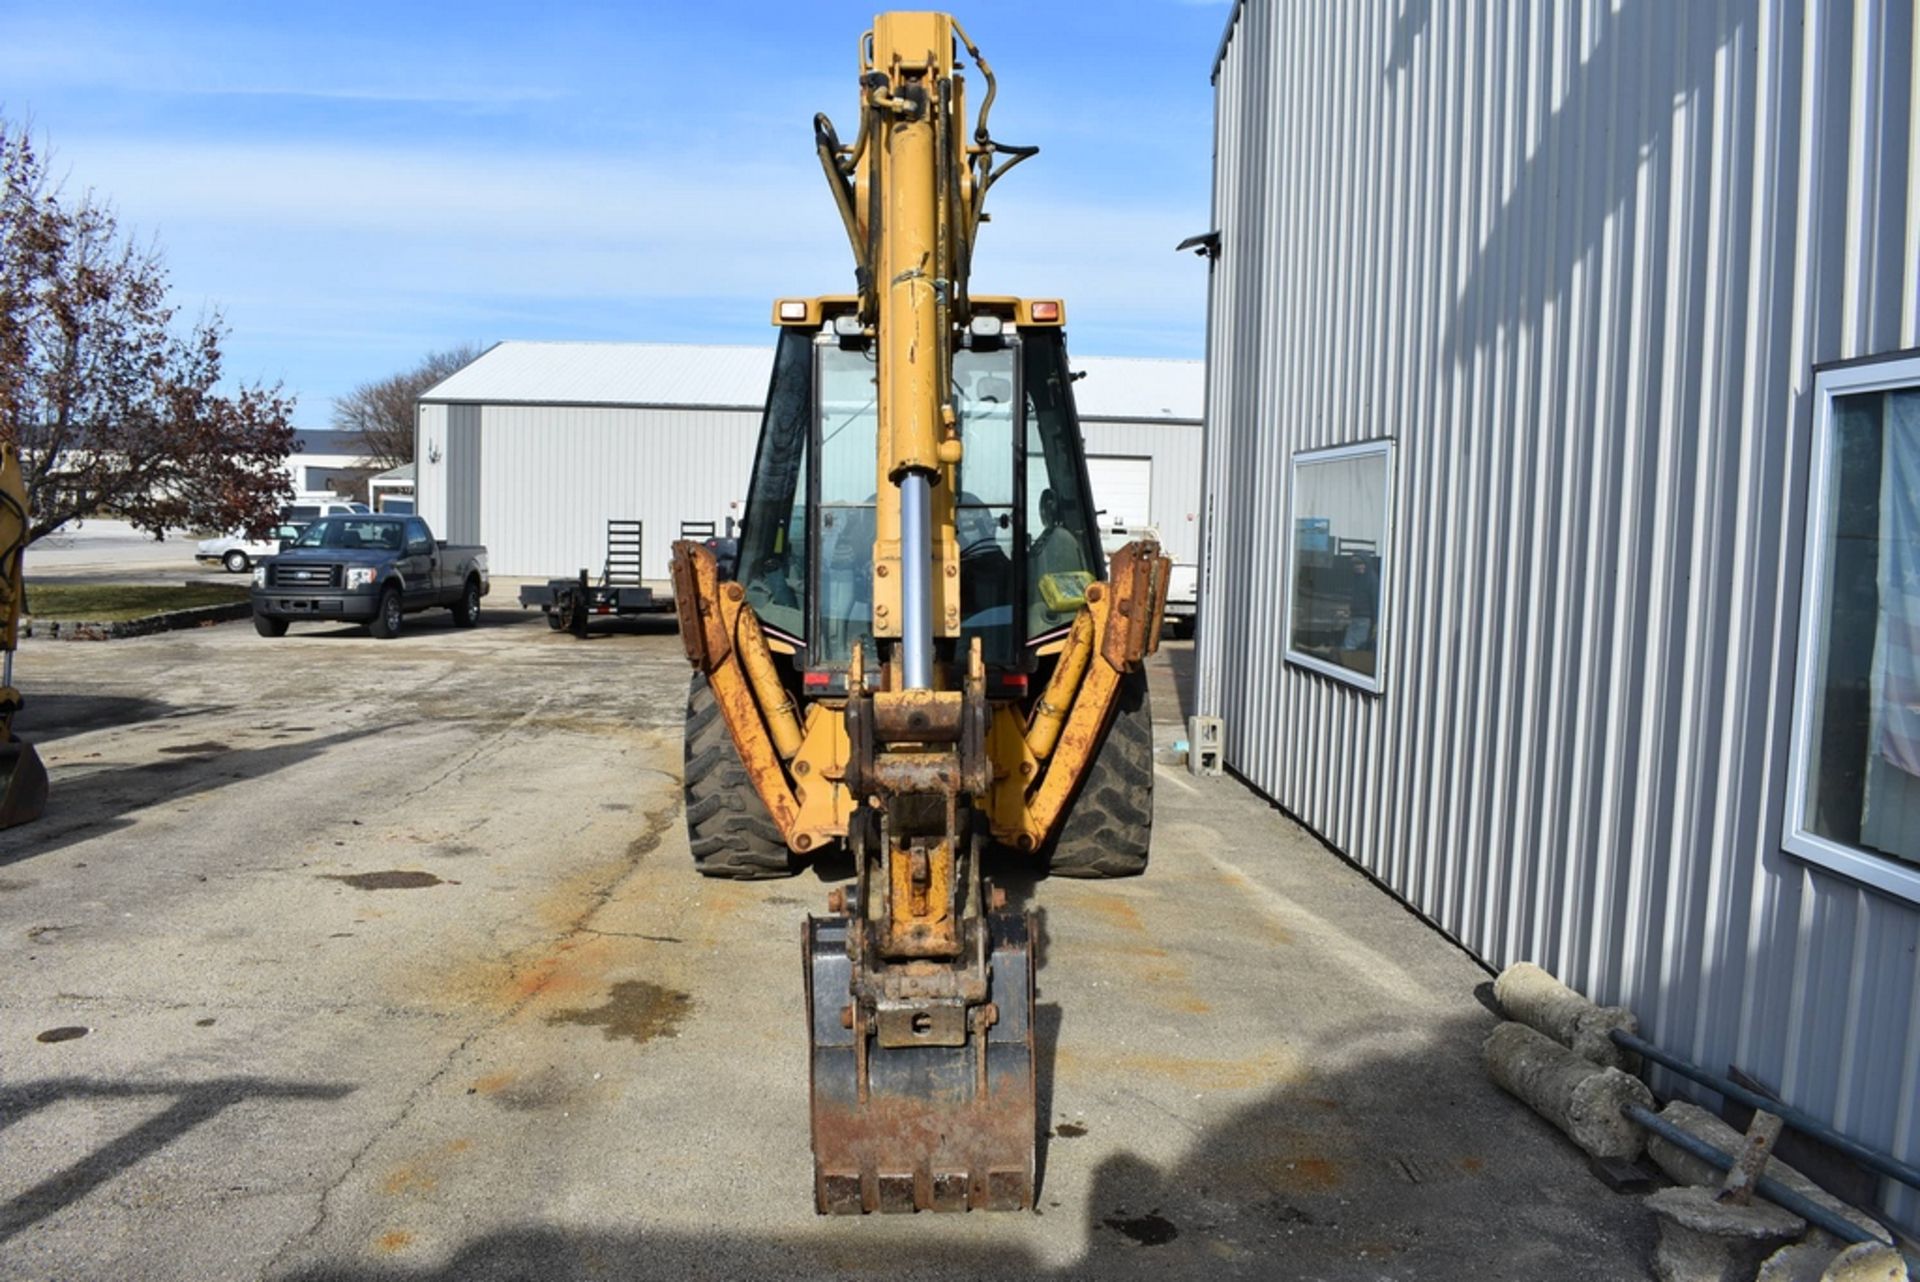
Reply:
x=534 y=447
x=1545 y=504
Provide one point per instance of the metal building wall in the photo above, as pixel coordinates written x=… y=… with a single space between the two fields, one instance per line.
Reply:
x=1174 y=448
x=1579 y=260
x=552 y=476
x=465 y=452
x=430 y=477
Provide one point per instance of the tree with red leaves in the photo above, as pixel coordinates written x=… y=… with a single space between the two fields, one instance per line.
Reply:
x=112 y=411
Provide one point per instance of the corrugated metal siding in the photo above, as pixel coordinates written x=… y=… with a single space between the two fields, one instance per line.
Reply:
x=1175 y=451
x=465 y=454
x=429 y=452
x=1579 y=260
x=552 y=477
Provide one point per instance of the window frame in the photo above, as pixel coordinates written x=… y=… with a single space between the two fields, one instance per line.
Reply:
x=1385 y=448
x=1891 y=372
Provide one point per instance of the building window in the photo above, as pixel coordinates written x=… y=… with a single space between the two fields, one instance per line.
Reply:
x=1853 y=797
x=1337 y=600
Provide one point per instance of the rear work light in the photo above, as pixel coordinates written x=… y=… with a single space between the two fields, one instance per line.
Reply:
x=1045 y=312
x=792 y=309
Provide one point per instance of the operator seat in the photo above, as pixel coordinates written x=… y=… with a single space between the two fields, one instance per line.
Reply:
x=1056 y=550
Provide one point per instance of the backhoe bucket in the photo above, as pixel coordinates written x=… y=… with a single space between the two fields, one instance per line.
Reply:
x=23 y=795
x=922 y=1128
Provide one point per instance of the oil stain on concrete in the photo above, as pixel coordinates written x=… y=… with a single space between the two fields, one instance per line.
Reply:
x=394 y=879
x=1151 y=1229
x=635 y=1010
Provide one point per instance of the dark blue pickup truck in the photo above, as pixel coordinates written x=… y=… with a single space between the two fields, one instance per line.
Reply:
x=367 y=569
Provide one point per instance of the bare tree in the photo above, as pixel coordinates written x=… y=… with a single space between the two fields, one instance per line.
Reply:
x=111 y=409
x=381 y=413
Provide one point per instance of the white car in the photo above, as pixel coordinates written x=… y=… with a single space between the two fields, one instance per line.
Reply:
x=235 y=551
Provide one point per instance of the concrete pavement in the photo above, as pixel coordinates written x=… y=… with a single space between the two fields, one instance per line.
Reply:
x=392 y=965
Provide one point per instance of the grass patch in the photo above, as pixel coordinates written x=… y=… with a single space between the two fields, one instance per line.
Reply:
x=119 y=602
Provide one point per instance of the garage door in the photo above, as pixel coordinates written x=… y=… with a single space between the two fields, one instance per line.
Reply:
x=1123 y=487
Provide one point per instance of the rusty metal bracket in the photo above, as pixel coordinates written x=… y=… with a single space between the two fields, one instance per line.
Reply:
x=704 y=634
x=1138 y=584
x=1751 y=1161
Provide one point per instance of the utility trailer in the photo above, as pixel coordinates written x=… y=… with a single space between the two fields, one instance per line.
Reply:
x=619 y=593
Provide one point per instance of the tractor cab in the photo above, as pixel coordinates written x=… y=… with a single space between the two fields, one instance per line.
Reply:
x=1027 y=540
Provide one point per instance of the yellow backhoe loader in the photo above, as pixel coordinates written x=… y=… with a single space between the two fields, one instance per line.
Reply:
x=921 y=653
x=23 y=779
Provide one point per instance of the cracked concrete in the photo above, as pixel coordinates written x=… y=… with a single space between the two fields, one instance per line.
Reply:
x=562 y=1055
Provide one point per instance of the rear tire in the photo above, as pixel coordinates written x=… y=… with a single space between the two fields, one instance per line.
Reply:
x=385 y=623
x=466 y=611
x=1109 y=827
x=236 y=561
x=269 y=627
x=728 y=827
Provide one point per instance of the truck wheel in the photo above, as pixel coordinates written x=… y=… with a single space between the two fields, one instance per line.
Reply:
x=556 y=620
x=466 y=611
x=385 y=623
x=1109 y=827
x=269 y=627
x=728 y=826
x=236 y=561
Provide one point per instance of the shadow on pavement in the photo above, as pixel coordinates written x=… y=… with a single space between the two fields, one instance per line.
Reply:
x=1383 y=1154
x=426 y=621
x=48 y=717
x=82 y=807
x=1177 y=658
x=193 y=1103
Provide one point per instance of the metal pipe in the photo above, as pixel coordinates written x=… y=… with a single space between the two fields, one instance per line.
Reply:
x=1768 y=1187
x=776 y=705
x=916 y=584
x=1057 y=699
x=1885 y=1163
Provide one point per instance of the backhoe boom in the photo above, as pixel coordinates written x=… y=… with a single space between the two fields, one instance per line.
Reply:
x=919 y=561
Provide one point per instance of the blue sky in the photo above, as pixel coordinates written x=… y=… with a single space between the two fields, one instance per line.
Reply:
x=354 y=185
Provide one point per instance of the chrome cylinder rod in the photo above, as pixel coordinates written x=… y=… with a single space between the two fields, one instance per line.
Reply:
x=916 y=587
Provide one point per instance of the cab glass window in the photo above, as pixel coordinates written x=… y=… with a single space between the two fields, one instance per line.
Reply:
x=772 y=564
x=984 y=397
x=848 y=420
x=1063 y=548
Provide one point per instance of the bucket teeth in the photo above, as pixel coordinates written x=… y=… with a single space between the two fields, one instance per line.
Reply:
x=932 y=1128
